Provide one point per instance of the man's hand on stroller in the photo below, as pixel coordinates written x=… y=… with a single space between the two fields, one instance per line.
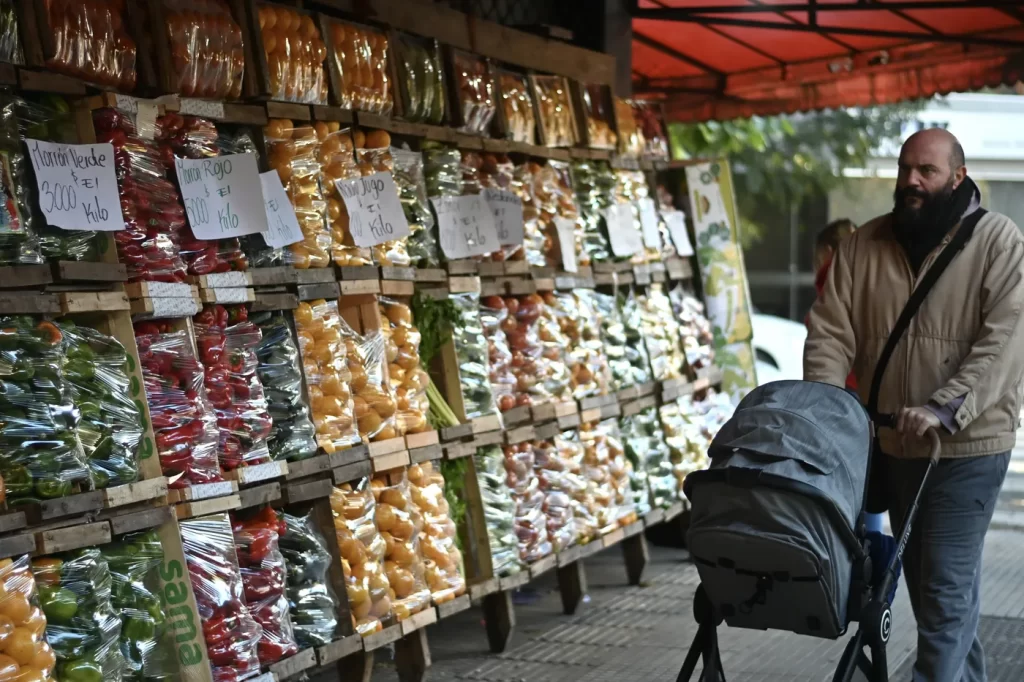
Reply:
x=917 y=421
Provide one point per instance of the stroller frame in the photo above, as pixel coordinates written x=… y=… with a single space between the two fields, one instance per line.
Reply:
x=874 y=615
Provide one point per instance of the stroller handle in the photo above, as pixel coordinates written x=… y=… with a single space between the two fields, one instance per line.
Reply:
x=889 y=421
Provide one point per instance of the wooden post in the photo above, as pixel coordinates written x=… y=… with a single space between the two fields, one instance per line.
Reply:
x=634 y=552
x=500 y=618
x=412 y=656
x=572 y=584
x=356 y=668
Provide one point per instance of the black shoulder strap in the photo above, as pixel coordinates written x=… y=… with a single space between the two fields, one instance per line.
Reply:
x=917 y=297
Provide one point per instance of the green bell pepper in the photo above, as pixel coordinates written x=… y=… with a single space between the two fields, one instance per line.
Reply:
x=59 y=604
x=84 y=669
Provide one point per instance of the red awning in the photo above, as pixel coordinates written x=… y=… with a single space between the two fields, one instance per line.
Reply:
x=723 y=59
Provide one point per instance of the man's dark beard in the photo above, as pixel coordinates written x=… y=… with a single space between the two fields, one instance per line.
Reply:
x=920 y=230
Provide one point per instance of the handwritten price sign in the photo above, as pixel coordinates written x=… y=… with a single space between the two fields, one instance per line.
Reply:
x=466 y=226
x=566 y=230
x=676 y=223
x=223 y=195
x=375 y=212
x=77 y=185
x=649 y=223
x=622 y=233
x=282 y=225
x=508 y=215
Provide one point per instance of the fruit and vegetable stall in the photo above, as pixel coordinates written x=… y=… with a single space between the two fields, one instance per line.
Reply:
x=318 y=325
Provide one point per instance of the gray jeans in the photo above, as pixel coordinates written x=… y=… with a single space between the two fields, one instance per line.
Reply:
x=942 y=562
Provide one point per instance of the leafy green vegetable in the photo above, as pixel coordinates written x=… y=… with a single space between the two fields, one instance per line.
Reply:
x=454 y=472
x=435 y=319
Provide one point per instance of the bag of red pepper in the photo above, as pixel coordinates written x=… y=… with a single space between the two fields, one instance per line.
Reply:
x=263 y=577
x=153 y=213
x=184 y=422
x=230 y=631
x=227 y=348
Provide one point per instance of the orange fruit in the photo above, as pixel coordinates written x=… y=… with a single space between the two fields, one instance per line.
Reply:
x=7 y=629
x=32 y=674
x=9 y=669
x=36 y=621
x=21 y=646
x=44 y=659
x=16 y=607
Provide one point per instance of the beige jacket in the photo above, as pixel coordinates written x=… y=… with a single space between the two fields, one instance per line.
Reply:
x=967 y=339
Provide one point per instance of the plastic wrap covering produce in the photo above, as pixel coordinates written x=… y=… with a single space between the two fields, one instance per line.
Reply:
x=184 y=421
x=337 y=160
x=232 y=634
x=535 y=240
x=579 y=322
x=539 y=375
x=530 y=521
x=683 y=439
x=263 y=571
x=207 y=52
x=661 y=334
x=704 y=418
x=421 y=69
x=555 y=198
x=561 y=471
x=408 y=380
x=82 y=625
x=644 y=442
x=621 y=469
x=630 y=187
x=362 y=550
x=312 y=604
x=111 y=425
x=91 y=42
x=496 y=320
x=412 y=191
x=325 y=362
x=191 y=137
x=442 y=168
x=442 y=560
x=400 y=524
x=594 y=182
x=295 y=55
x=648 y=117
x=10 y=38
x=375 y=156
x=665 y=203
x=474 y=86
x=556 y=484
x=554 y=346
x=472 y=351
x=499 y=510
x=27 y=655
x=361 y=57
x=597 y=471
x=600 y=118
x=627 y=362
x=694 y=329
x=631 y=138
x=134 y=562
x=496 y=171
x=293 y=152
x=292 y=434
x=554 y=108
x=19 y=227
x=227 y=343
x=40 y=454
x=154 y=217
x=376 y=408
x=636 y=351
x=517 y=106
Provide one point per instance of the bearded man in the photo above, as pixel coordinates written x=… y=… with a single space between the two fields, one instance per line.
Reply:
x=957 y=369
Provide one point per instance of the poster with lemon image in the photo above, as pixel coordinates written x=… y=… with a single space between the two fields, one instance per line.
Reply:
x=722 y=272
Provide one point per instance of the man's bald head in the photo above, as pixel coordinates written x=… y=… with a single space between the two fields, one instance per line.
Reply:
x=937 y=139
x=931 y=167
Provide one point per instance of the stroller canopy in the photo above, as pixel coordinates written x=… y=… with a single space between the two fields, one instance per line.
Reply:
x=820 y=435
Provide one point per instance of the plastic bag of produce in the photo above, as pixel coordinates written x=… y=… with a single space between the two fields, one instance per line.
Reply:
x=19 y=224
x=361 y=57
x=694 y=329
x=134 y=562
x=325 y=362
x=442 y=560
x=312 y=605
x=594 y=182
x=375 y=157
x=614 y=333
x=555 y=110
x=262 y=567
x=295 y=55
x=10 y=38
x=621 y=470
x=496 y=172
x=111 y=425
x=27 y=653
x=518 y=106
x=556 y=483
x=154 y=216
x=408 y=380
x=362 y=556
x=495 y=320
x=554 y=348
x=293 y=151
x=400 y=523
x=41 y=456
x=630 y=188
x=92 y=43
x=336 y=154
x=231 y=633
x=530 y=521
x=376 y=408
x=472 y=350
x=227 y=341
x=597 y=470
x=206 y=48
x=679 y=434
x=82 y=626
x=579 y=323
x=536 y=243
x=600 y=118
x=412 y=191
x=476 y=97
x=292 y=434
x=651 y=477
x=184 y=421
x=499 y=510
x=421 y=68
x=552 y=189
x=442 y=168
x=661 y=334
x=636 y=351
x=534 y=372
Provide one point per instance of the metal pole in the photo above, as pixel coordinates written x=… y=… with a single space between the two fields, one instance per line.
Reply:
x=794 y=267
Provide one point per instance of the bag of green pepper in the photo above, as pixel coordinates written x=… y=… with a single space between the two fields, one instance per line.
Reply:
x=312 y=604
x=412 y=191
x=110 y=429
x=19 y=241
x=472 y=350
x=134 y=564
x=499 y=510
x=41 y=456
x=82 y=625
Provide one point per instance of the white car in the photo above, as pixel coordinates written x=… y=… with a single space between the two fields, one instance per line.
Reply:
x=778 y=348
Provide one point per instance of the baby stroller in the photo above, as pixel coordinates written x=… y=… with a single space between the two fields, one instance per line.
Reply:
x=777 y=530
